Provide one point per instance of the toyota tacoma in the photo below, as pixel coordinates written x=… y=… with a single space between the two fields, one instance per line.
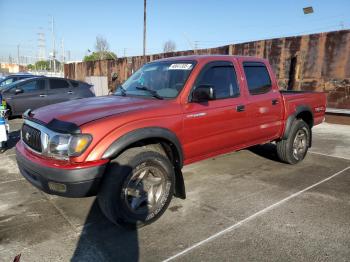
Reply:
x=129 y=148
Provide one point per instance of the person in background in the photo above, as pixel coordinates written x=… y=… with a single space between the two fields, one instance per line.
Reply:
x=4 y=127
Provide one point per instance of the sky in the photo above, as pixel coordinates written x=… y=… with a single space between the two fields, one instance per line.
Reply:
x=205 y=23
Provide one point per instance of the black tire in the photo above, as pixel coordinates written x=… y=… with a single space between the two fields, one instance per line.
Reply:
x=114 y=197
x=286 y=149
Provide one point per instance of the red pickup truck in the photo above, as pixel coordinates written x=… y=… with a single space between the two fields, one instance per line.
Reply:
x=129 y=148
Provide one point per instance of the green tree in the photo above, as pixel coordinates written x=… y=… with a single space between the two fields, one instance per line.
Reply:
x=95 y=56
x=30 y=67
x=42 y=65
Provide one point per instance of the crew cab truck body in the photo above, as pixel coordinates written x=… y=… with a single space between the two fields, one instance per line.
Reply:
x=129 y=148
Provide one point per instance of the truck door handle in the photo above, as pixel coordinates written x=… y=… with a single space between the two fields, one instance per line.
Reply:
x=240 y=108
x=41 y=95
x=70 y=92
x=275 y=102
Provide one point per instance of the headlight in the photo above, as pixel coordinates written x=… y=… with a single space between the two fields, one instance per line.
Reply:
x=63 y=146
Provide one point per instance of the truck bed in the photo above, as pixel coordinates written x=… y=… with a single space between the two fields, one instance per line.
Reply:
x=314 y=100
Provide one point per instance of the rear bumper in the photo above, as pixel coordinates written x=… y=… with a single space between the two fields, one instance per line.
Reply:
x=52 y=177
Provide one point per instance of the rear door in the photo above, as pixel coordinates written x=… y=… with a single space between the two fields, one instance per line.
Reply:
x=264 y=103
x=32 y=96
x=59 y=91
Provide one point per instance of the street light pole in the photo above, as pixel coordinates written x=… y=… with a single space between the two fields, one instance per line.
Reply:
x=144 y=31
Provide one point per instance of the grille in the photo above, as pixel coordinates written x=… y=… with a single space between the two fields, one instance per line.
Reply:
x=31 y=137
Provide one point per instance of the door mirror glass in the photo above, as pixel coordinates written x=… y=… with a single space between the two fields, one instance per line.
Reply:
x=203 y=93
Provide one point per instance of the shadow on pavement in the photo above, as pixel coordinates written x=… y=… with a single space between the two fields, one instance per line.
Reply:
x=267 y=151
x=100 y=240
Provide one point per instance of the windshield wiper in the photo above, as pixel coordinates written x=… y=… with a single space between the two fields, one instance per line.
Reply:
x=122 y=90
x=152 y=92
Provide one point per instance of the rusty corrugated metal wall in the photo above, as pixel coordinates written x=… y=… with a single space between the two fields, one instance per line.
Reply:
x=319 y=62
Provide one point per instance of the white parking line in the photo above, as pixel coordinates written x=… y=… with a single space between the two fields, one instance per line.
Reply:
x=322 y=154
x=259 y=213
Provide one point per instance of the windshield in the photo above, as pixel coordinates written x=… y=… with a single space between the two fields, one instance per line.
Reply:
x=164 y=79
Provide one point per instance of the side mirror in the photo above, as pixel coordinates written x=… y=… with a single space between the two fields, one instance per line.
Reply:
x=18 y=91
x=203 y=93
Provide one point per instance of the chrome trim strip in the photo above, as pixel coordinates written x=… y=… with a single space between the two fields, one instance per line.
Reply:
x=46 y=135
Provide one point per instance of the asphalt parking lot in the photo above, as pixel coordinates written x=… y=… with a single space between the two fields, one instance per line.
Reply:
x=242 y=206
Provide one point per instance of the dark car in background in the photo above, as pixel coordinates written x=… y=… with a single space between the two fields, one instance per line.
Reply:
x=13 y=78
x=41 y=91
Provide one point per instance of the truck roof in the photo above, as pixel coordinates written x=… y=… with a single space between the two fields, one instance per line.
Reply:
x=200 y=58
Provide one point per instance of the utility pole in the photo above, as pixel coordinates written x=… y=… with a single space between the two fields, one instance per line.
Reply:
x=144 y=31
x=63 y=58
x=18 y=55
x=53 y=43
x=124 y=52
x=196 y=46
x=41 y=45
x=68 y=55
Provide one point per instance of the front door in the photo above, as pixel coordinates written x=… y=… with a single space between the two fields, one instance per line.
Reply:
x=31 y=95
x=216 y=125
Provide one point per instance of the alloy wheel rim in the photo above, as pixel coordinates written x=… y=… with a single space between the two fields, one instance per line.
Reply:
x=299 y=144
x=144 y=190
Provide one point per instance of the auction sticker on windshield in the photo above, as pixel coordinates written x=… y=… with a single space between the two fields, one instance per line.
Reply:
x=180 y=67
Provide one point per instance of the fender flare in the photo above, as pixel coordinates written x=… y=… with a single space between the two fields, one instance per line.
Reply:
x=152 y=132
x=140 y=134
x=292 y=117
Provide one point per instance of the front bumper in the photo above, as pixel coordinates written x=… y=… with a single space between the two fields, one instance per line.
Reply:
x=60 y=178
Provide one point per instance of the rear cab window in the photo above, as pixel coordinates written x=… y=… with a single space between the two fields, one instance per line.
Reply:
x=258 y=78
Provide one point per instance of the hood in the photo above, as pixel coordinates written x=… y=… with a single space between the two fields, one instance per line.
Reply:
x=86 y=110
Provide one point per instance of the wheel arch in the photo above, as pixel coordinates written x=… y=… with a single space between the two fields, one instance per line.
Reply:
x=153 y=135
x=303 y=112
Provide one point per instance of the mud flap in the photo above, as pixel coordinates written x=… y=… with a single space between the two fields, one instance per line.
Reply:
x=180 y=190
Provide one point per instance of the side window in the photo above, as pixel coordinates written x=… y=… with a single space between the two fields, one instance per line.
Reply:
x=222 y=78
x=33 y=86
x=40 y=84
x=258 y=78
x=58 y=83
x=7 y=81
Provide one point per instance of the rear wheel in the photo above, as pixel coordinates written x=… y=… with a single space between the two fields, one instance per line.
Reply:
x=137 y=187
x=293 y=149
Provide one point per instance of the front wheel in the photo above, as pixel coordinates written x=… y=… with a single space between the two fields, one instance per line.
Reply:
x=137 y=187
x=293 y=149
